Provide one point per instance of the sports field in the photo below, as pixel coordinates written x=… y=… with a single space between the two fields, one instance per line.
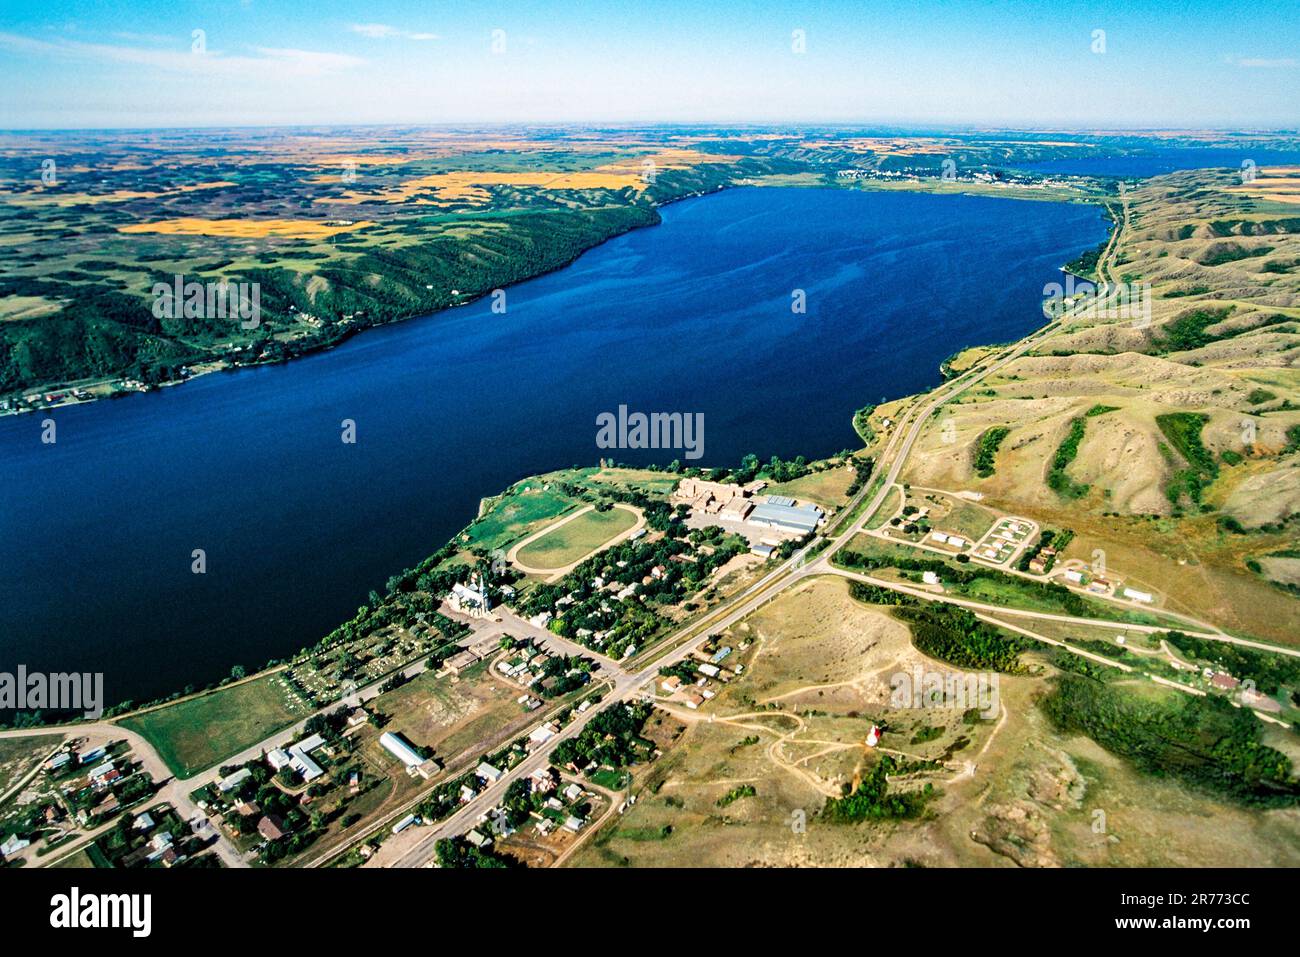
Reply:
x=576 y=538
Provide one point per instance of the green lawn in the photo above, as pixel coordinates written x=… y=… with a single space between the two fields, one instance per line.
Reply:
x=886 y=511
x=200 y=732
x=967 y=519
x=576 y=539
x=516 y=514
x=609 y=779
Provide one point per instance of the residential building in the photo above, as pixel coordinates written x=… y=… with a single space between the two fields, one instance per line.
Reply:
x=1224 y=682
x=13 y=845
x=232 y=781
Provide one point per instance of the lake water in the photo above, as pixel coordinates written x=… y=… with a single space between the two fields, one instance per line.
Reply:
x=693 y=315
x=1159 y=162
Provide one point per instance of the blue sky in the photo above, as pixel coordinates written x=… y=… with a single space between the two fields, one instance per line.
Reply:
x=1190 y=63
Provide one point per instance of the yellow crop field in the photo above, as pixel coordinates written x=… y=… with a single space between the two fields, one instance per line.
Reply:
x=470 y=186
x=246 y=228
x=1280 y=184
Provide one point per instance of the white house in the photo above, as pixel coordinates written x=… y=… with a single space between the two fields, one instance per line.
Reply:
x=541 y=734
x=13 y=845
x=232 y=781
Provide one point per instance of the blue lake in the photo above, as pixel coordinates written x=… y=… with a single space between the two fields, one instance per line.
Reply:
x=1159 y=162
x=693 y=315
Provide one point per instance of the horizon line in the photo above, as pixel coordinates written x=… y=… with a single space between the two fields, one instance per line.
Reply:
x=902 y=126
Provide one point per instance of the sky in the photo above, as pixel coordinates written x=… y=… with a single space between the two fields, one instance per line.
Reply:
x=1036 y=63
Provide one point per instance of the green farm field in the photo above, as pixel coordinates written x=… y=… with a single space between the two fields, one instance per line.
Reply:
x=203 y=731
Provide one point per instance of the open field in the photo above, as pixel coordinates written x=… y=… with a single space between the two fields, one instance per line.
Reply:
x=450 y=715
x=892 y=503
x=1061 y=800
x=531 y=506
x=827 y=488
x=625 y=479
x=18 y=756
x=1017 y=792
x=574 y=539
x=203 y=731
x=524 y=509
x=245 y=228
x=818 y=670
x=952 y=514
x=473 y=187
x=1278 y=184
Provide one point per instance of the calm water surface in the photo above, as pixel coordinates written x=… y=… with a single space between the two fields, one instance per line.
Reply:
x=1158 y=162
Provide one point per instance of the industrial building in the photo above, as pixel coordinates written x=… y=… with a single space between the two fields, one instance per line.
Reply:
x=789 y=518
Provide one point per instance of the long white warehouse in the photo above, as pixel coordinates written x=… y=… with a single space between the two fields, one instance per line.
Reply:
x=400 y=750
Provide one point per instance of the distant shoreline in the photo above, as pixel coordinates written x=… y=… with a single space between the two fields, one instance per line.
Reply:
x=228 y=362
